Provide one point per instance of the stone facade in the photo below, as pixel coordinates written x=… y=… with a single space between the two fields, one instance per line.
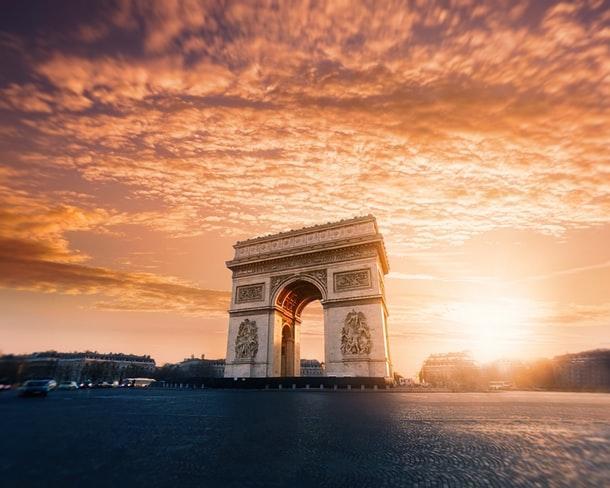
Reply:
x=342 y=264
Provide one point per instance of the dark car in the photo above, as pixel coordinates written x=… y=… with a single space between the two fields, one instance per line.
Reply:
x=35 y=388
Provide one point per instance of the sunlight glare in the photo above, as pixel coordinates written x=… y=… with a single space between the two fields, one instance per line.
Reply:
x=493 y=328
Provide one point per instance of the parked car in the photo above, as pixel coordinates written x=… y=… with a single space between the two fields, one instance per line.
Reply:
x=35 y=388
x=68 y=385
x=137 y=382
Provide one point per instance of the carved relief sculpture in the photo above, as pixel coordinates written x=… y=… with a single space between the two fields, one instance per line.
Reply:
x=355 y=336
x=250 y=293
x=246 y=342
x=306 y=239
x=318 y=274
x=277 y=280
x=352 y=280
x=310 y=259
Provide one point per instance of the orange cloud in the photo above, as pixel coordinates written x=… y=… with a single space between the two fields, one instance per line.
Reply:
x=24 y=267
x=206 y=120
x=35 y=255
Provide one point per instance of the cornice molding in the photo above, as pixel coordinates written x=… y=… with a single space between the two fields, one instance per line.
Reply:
x=313 y=257
x=306 y=230
x=311 y=239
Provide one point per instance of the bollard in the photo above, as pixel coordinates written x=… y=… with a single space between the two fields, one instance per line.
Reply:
x=349 y=387
x=334 y=387
x=307 y=387
x=279 y=387
x=294 y=387
x=362 y=387
x=375 y=387
x=321 y=387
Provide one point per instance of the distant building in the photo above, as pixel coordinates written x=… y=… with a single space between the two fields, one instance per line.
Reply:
x=503 y=369
x=450 y=370
x=82 y=366
x=194 y=368
x=312 y=367
x=588 y=370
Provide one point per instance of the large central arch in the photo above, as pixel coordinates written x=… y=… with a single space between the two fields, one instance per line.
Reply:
x=275 y=277
x=290 y=300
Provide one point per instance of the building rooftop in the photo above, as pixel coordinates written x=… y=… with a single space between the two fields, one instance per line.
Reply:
x=90 y=355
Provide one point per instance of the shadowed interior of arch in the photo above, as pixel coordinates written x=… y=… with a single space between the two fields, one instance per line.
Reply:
x=292 y=300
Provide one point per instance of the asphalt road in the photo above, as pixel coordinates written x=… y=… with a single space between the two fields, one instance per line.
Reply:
x=158 y=438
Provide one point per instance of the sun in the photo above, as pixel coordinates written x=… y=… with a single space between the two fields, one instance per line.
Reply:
x=492 y=328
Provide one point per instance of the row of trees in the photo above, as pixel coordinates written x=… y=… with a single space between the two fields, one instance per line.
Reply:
x=16 y=369
x=178 y=372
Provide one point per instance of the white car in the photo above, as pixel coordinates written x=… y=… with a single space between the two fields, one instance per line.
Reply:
x=68 y=385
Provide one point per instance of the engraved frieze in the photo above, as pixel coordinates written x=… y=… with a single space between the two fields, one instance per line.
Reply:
x=314 y=237
x=250 y=293
x=246 y=342
x=352 y=280
x=355 y=335
x=310 y=259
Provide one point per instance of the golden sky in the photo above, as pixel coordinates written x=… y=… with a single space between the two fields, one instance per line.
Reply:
x=140 y=140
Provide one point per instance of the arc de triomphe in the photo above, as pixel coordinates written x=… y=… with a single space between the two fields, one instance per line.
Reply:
x=342 y=264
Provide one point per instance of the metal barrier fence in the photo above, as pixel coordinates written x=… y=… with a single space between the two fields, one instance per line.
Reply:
x=284 y=383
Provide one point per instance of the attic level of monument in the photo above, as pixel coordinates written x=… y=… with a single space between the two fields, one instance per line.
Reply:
x=359 y=234
x=342 y=265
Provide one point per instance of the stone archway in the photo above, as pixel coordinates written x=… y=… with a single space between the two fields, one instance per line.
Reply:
x=289 y=300
x=289 y=356
x=342 y=264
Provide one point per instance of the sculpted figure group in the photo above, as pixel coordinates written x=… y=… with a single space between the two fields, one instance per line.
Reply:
x=246 y=342
x=355 y=335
